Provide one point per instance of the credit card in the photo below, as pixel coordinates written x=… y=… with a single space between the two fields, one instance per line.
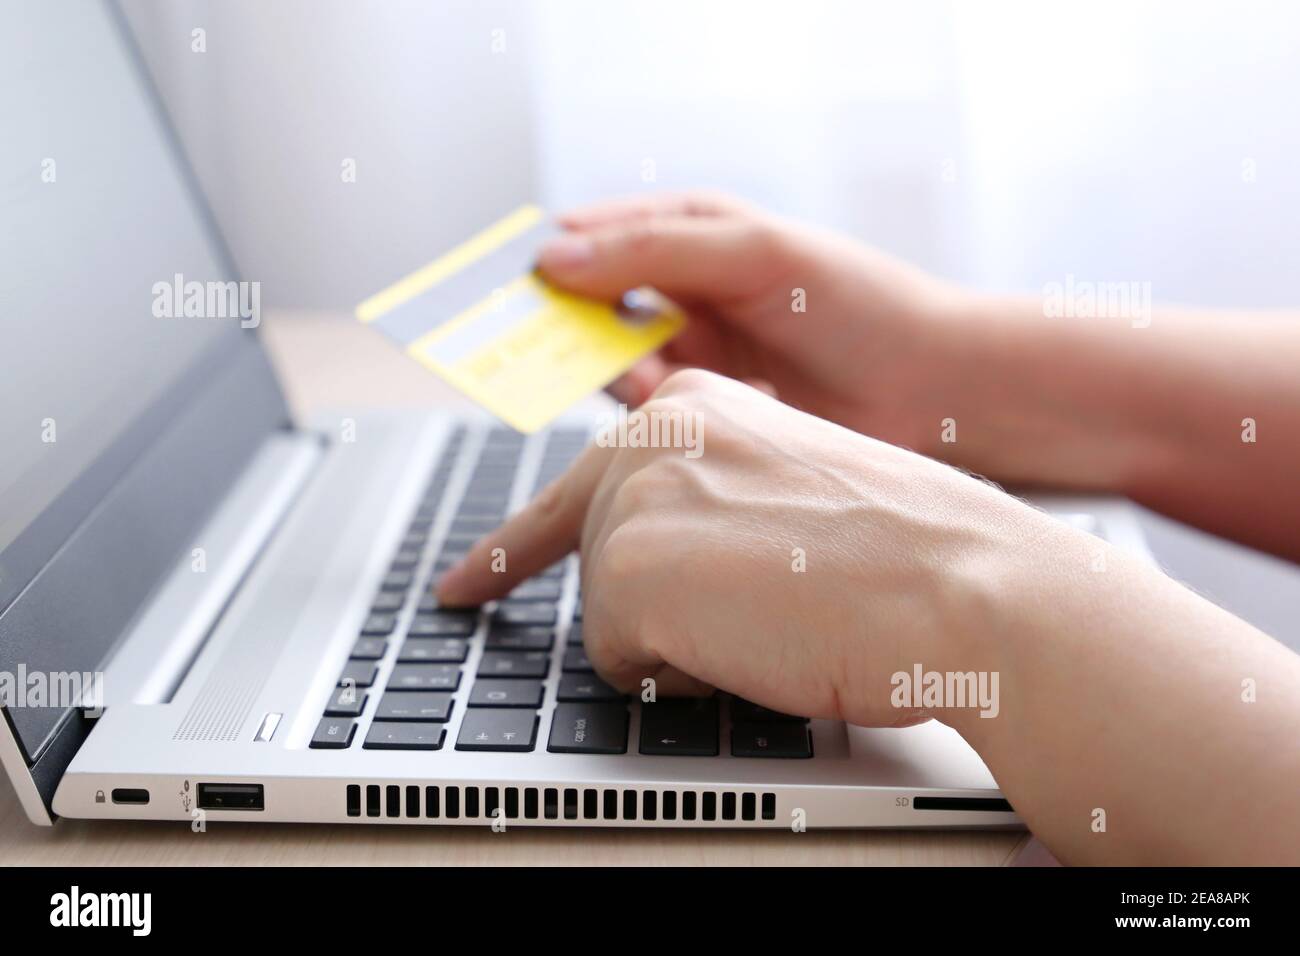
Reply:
x=483 y=320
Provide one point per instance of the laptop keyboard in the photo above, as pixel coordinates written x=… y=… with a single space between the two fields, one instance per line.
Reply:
x=506 y=706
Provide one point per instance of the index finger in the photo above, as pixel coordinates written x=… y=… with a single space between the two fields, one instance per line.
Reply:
x=548 y=528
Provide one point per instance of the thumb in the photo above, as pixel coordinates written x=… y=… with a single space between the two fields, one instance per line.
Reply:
x=686 y=258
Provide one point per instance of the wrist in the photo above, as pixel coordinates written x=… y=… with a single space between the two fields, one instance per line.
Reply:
x=1003 y=589
x=973 y=362
x=979 y=599
x=1022 y=391
x=957 y=575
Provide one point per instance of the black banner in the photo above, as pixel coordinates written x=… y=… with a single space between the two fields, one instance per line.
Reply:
x=331 y=905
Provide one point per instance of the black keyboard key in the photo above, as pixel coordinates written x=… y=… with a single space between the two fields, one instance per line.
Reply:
x=474 y=526
x=557 y=457
x=520 y=639
x=514 y=664
x=521 y=615
x=333 y=733
x=387 y=601
x=444 y=564
x=427 y=604
x=680 y=727
x=570 y=440
x=419 y=705
x=346 y=702
x=589 y=729
x=746 y=712
x=470 y=611
x=488 y=692
x=424 y=677
x=494 y=471
x=497 y=729
x=482 y=495
x=369 y=649
x=779 y=739
x=379 y=625
x=403 y=735
x=358 y=674
x=575 y=634
x=405 y=560
x=434 y=650
x=488 y=491
x=576 y=662
x=585 y=687
x=397 y=581
x=457 y=545
x=459 y=542
x=443 y=624
x=483 y=506
x=496 y=515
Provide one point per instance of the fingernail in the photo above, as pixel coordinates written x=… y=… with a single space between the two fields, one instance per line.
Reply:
x=566 y=251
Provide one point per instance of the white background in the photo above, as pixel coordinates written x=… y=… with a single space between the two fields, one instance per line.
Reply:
x=1006 y=144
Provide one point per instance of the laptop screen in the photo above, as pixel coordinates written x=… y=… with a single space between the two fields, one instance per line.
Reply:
x=96 y=215
x=133 y=387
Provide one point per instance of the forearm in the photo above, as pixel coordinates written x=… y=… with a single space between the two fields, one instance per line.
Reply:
x=1137 y=723
x=1196 y=414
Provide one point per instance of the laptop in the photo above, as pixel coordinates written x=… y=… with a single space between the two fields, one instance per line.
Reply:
x=228 y=615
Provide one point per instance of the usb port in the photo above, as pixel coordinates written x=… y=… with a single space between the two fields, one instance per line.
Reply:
x=231 y=796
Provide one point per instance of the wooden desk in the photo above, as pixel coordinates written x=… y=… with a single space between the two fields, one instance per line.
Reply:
x=330 y=362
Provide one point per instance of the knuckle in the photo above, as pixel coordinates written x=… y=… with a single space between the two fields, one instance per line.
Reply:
x=620 y=618
x=636 y=494
x=685 y=382
x=603 y=641
x=623 y=560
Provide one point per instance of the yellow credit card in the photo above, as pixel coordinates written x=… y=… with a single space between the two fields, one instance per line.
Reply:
x=482 y=319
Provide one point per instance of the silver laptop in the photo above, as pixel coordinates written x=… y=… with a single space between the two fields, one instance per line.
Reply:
x=209 y=612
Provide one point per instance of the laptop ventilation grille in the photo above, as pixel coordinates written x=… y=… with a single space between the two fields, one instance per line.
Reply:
x=557 y=803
